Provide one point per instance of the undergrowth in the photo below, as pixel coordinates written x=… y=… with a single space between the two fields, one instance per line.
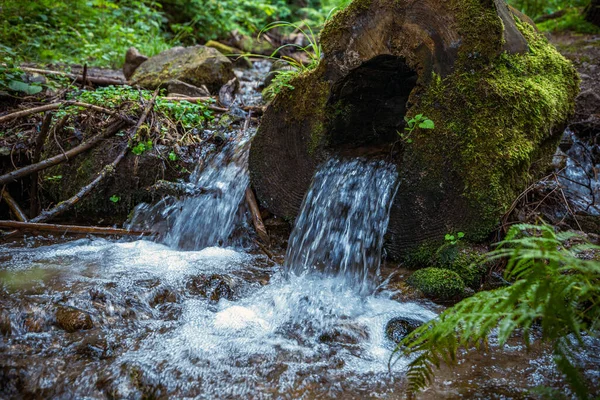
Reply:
x=555 y=291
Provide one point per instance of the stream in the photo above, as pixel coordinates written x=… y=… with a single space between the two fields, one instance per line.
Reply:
x=201 y=313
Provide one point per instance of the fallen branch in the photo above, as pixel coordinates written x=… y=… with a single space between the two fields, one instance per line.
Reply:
x=31 y=226
x=54 y=106
x=30 y=111
x=14 y=206
x=259 y=226
x=37 y=155
x=64 y=206
x=50 y=162
x=78 y=78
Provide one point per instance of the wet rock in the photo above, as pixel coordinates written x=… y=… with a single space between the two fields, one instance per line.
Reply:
x=5 y=324
x=227 y=92
x=214 y=287
x=197 y=65
x=34 y=323
x=397 y=328
x=72 y=320
x=163 y=296
x=133 y=59
x=177 y=87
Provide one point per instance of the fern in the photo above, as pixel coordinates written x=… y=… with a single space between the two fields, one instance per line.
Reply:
x=554 y=288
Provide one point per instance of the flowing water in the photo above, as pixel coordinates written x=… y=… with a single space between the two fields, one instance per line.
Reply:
x=342 y=222
x=200 y=315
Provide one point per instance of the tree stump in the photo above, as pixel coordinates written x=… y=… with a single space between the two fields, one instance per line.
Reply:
x=499 y=95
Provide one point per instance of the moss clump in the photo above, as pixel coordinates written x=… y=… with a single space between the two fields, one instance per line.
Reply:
x=467 y=262
x=438 y=283
x=513 y=109
x=464 y=259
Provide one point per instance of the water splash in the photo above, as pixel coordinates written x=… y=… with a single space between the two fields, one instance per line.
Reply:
x=209 y=215
x=343 y=221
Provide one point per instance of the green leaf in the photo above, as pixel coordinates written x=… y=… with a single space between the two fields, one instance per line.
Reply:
x=460 y=235
x=19 y=86
x=427 y=124
x=172 y=156
x=114 y=198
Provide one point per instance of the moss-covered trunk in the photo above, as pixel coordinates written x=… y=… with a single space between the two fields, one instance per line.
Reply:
x=498 y=93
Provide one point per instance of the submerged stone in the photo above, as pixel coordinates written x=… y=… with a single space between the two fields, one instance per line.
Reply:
x=72 y=320
x=397 y=328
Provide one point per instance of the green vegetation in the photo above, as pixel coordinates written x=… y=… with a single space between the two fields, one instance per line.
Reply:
x=418 y=121
x=98 y=32
x=555 y=293
x=572 y=21
x=536 y=8
x=438 y=283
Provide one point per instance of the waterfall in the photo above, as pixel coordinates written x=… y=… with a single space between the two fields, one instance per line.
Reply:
x=209 y=215
x=343 y=220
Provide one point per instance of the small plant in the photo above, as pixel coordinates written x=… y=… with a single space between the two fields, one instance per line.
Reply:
x=418 y=121
x=284 y=76
x=172 y=156
x=114 y=198
x=453 y=239
x=142 y=147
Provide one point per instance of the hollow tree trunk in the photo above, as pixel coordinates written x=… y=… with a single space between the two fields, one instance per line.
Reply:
x=592 y=12
x=498 y=93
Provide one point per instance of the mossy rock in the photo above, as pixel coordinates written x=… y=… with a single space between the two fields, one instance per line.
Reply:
x=197 y=65
x=467 y=260
x=438 y=283
x=500 y=96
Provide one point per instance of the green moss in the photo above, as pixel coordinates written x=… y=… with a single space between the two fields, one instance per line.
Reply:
x=510 y=107
x=438 y=283
x=466 y=261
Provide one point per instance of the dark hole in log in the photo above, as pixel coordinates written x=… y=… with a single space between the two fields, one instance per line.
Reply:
x=369 y=104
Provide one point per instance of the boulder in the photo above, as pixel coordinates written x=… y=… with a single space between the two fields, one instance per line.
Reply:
x=499 y=94
x=197 y=65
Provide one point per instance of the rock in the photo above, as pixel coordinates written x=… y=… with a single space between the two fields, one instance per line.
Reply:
x=175 y=87
x=133 y=59
x=197 y=65
x=227 y=92
x=438 y=283
x=72 y=320
x=5 y=324
x=459 y=63
x=163 y=296
x=397 y=328
x=214 y=287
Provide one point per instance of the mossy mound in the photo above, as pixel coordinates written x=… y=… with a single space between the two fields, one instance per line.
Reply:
x=438 y=283
x=467 y=260
x=197 y=65
x=500 y=96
